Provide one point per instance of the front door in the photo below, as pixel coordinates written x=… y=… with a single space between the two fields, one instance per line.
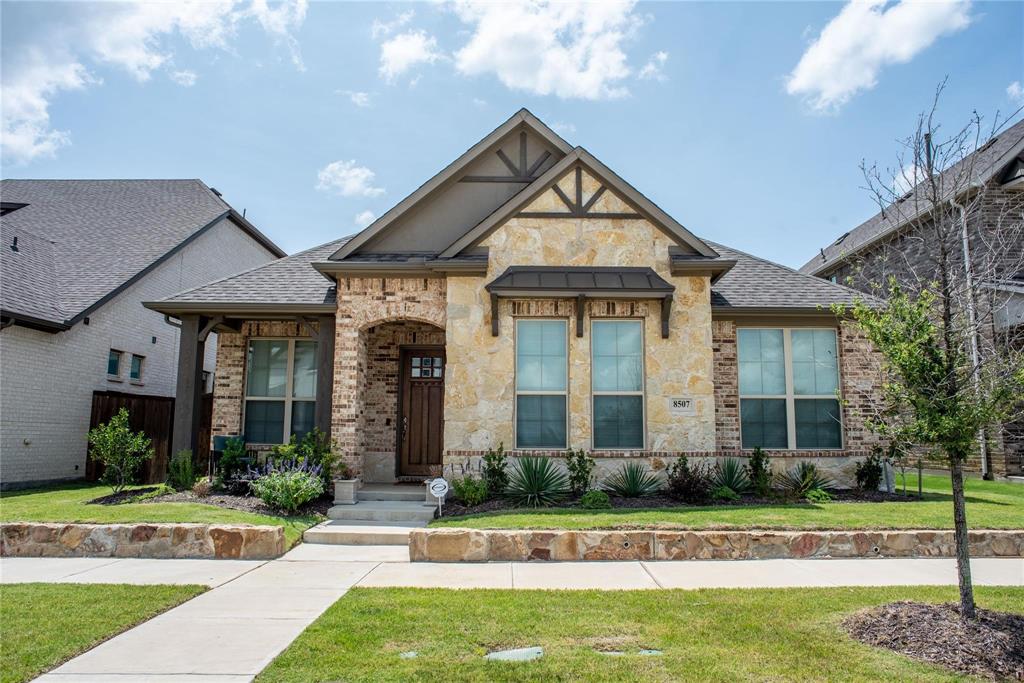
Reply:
x=420 y=409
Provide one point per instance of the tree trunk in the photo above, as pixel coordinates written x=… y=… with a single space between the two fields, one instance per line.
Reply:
x=963 y=558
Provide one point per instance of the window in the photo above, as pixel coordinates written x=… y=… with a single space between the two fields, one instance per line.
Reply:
x=280 y=395
x=114 y=363
x=788 y=384
x=617 y=371
x=542 y=374
x=135 y=371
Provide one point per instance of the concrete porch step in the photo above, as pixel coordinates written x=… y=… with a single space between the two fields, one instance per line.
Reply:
x=412 y=494
x=383 y=511
x=338 y=532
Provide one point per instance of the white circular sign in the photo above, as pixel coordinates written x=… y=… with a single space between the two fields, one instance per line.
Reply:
x=438 y=487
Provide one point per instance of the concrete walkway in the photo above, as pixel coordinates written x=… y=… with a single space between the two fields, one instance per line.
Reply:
x=256 y=609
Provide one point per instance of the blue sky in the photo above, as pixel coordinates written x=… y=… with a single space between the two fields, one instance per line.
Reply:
x=746 y=121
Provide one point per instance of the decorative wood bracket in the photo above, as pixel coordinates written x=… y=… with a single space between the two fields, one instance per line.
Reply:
x=666 y=310
x=581 y=301
x=495 y=310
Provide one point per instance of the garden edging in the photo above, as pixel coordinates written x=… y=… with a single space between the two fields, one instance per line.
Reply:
x=492 y=545
x=156 y=540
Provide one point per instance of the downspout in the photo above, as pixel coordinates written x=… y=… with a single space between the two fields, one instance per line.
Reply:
x=972 y=322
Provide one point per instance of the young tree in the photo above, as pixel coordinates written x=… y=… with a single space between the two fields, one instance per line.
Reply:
x=949 y=374
x=120 y=450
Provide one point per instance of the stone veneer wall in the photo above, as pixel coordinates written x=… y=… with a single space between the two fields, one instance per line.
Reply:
x=160 y=541
x=229 y=379
x=860 y=373
x=480 y=386
x=500 y=545
x=363 y=303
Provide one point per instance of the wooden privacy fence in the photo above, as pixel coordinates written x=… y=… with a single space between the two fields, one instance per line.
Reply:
x=153 y=415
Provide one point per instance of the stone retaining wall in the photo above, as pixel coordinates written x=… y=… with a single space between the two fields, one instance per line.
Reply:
x=481 y=545
x=161 y=541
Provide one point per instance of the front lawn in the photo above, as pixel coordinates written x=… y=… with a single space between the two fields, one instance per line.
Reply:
x=728 y=635
x=990 y=505
x=46 y=624
x=68 y=503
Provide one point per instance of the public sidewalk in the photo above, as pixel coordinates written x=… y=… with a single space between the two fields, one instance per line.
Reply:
x=256 y=609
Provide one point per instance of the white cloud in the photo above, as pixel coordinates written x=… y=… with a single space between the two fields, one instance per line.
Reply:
x=1015 y=92
x=348 y=180
x=865 y=37
x=379 y=28
x=184 y=78
x=358 y=98
x=479 y=103
x=364 y=218
x=563 y=128
x=568 y=49
x=128 y=36
x=406 y=50
x=653 y=70
x=907 y=178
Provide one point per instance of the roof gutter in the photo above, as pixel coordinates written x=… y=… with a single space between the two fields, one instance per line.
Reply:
x=234 y=309
x=415 y=267
x=11 y=318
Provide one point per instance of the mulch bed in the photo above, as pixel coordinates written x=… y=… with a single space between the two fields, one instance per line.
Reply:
x=453 y=508
x=122 y=496
x=992 y=646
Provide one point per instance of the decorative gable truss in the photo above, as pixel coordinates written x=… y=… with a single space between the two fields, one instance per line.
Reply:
x=583 y=196
x=519 y=173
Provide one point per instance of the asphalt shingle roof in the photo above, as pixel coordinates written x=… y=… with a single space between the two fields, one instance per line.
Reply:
x=988 y=160
x=291 y=280
x=79 y=240
x=756 y=283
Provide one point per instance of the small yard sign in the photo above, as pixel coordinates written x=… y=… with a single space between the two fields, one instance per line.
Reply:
x=439 y=489
x=682 y=405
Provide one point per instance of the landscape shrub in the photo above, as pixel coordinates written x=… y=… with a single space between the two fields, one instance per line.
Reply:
x=759 y=472
x=580 y=465
x=232 y=462
x=287 y=486
x=803 y=478
x=495 y=470
x=536 y=482
x=202 y=487
x=181 y=475
x=121 y=450
x=595 y=500
x=818 y=496
x=869 y=473
x=688 y=483
x=470 y=491
x=731 y=474
x=632 y=480
x=724 y=493
x=315 y=448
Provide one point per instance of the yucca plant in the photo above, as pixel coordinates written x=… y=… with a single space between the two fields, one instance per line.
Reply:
x=803 y=478
x=536 y=482
x=731 y=474
x=632 y=481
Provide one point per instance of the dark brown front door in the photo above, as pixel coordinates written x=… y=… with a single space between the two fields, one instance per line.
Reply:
x=420 y=409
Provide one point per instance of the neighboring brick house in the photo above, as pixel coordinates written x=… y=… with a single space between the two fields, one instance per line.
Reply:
x=529 y=296
x=894 y=244
x=77 y=258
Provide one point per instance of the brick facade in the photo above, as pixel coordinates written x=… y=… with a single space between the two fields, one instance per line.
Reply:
x=365 y=303
x=860 y=385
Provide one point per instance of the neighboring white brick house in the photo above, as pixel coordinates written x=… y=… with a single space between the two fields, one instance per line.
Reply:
x=48 y=376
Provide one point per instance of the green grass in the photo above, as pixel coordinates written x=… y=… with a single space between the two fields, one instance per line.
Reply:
x=46 y=624
x=68 y=504
x=726 y=635
x=990 y=505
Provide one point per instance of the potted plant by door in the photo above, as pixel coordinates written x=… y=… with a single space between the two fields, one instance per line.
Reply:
x=345 y=485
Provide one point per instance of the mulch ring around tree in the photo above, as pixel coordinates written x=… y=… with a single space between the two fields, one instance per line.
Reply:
x=127 y=496
x=992 y=646
x=453 y=507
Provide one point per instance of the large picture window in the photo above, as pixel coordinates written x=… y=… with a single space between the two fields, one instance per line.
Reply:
x=617 y=378
x=280 y=389
x=542 y=374
x=788 y=379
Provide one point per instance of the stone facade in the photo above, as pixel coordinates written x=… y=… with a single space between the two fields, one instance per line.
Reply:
x=480 y=389
x=365 y=303
x=498 y=545
x=155 y=541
